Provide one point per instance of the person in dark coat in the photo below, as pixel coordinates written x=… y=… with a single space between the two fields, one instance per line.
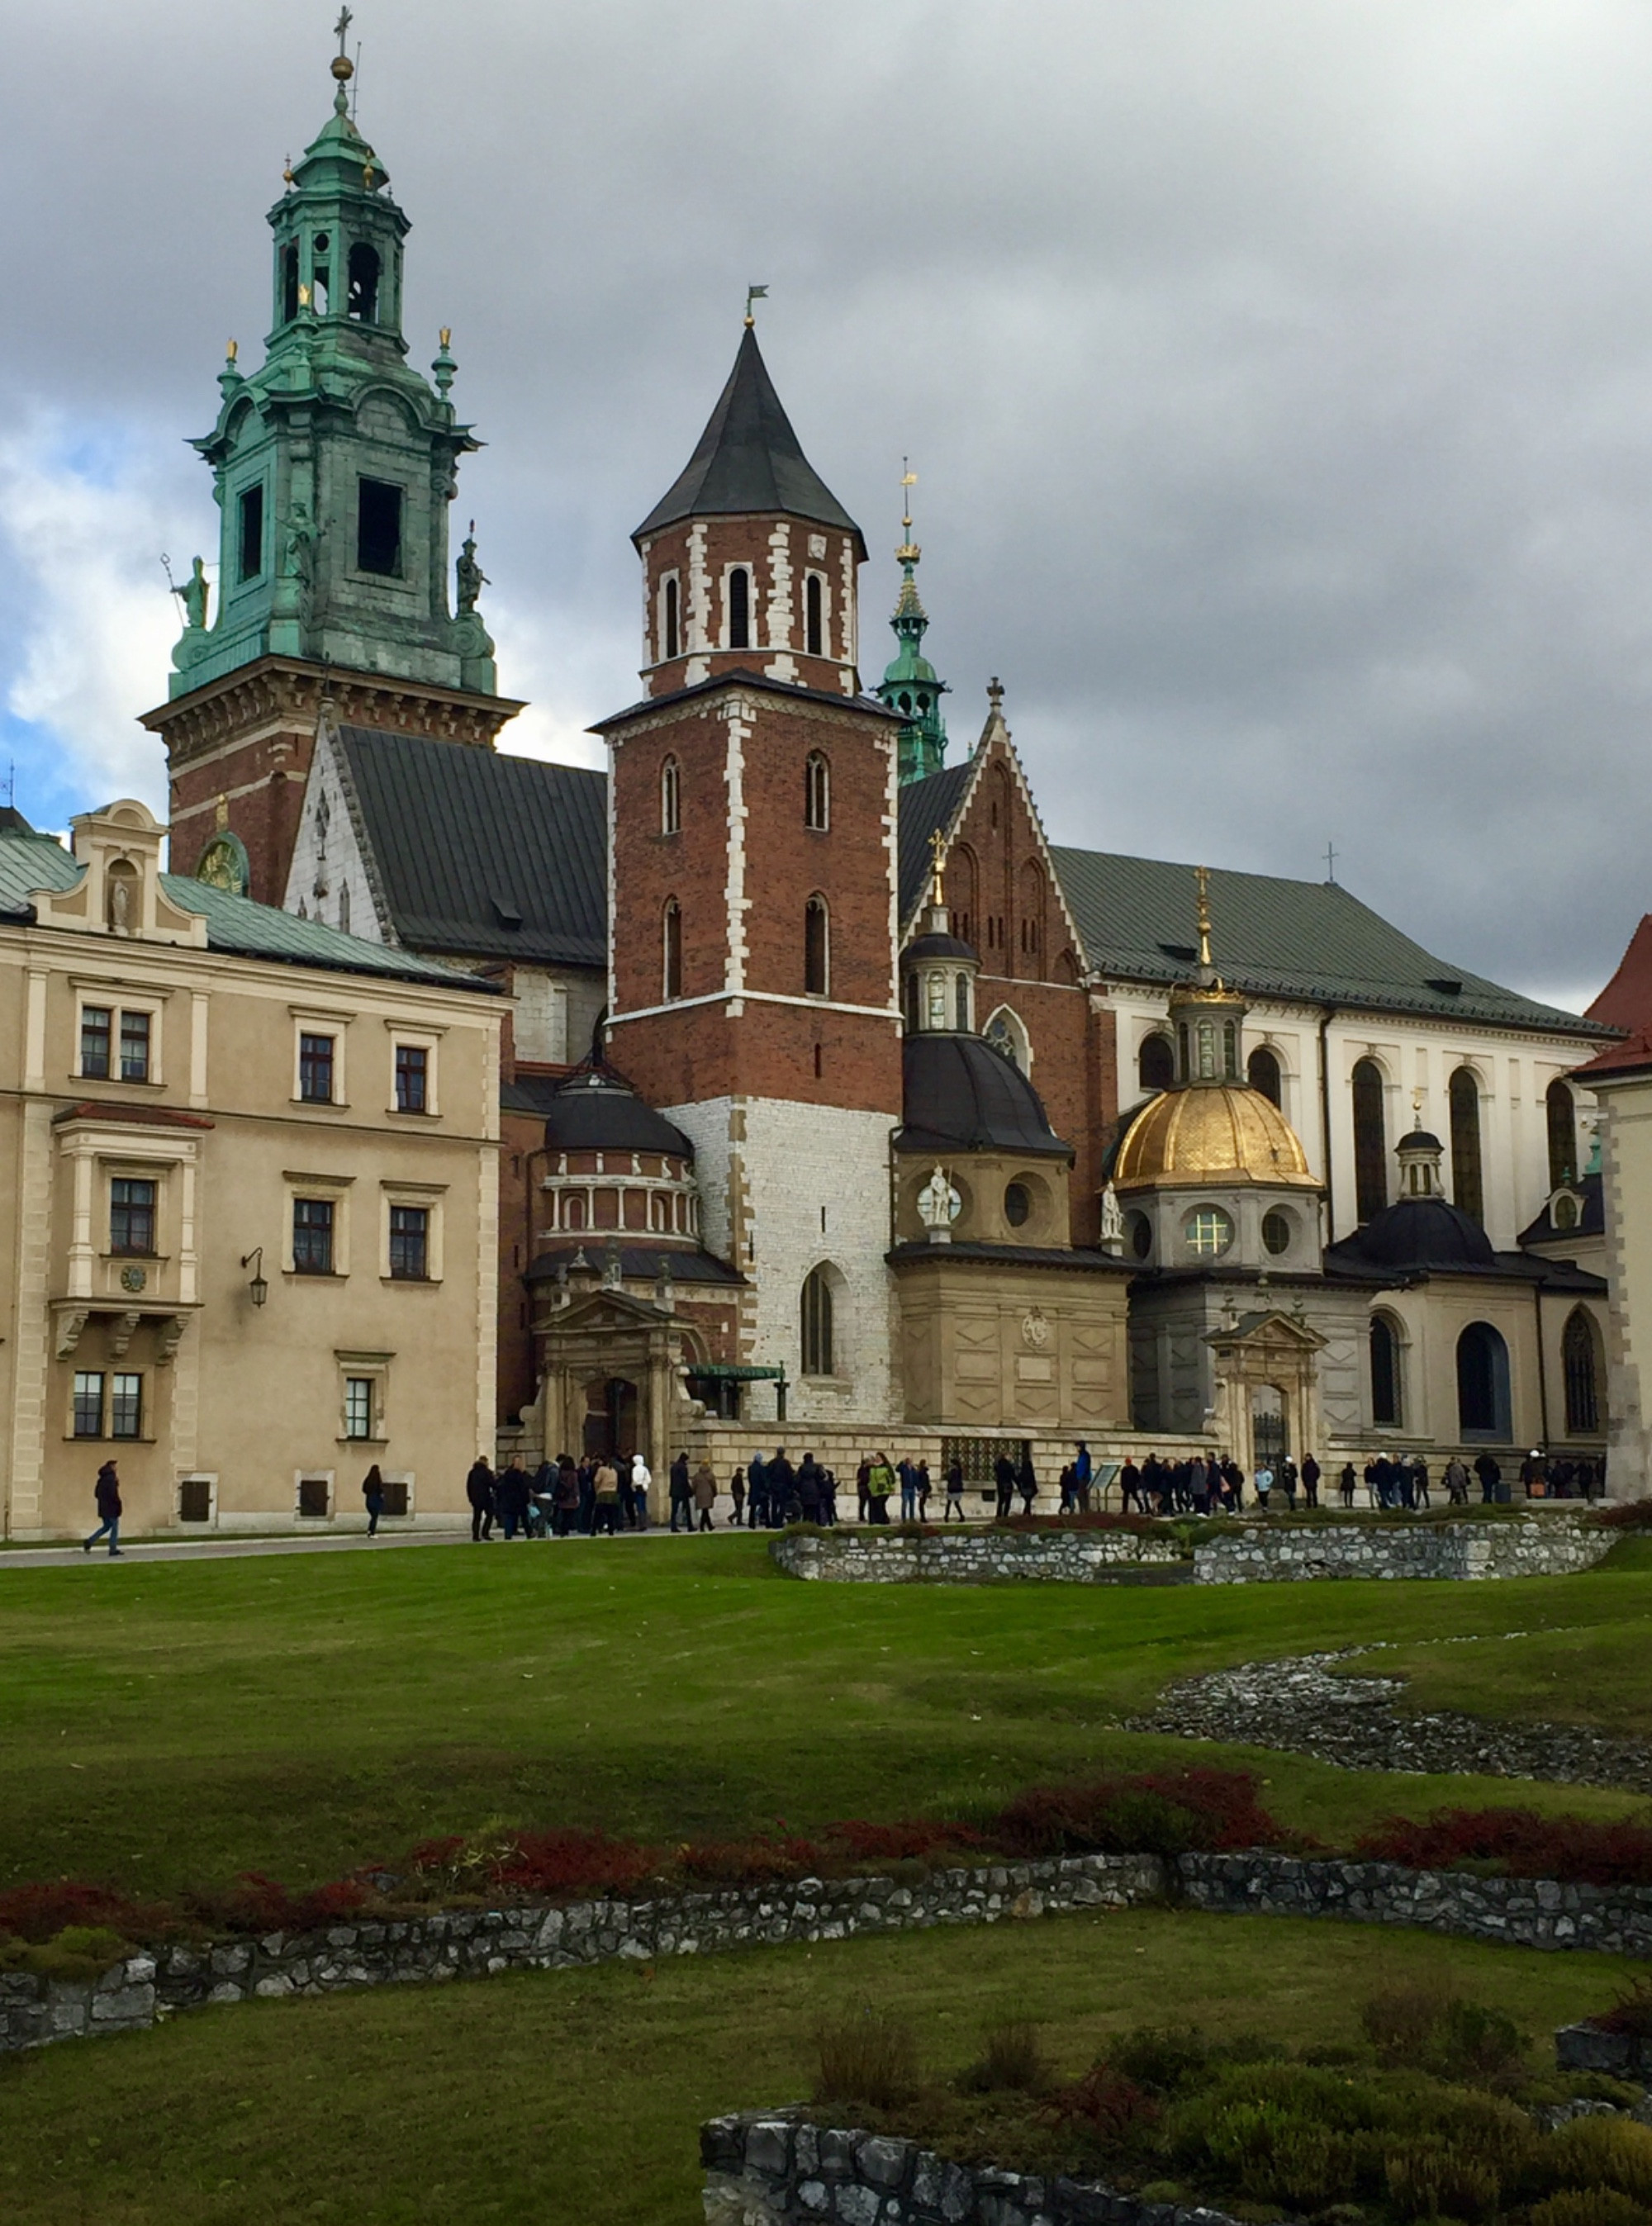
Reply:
x=585 y=1474
x=757 y=1497
x=372 y=1491
x=737 y=1493
x=1311 y=1474
x=513 y=1492
x=568 y=1496
x=1027 y=1483
x=1346 y=1481
x=1490 y=1476
x=954 y=1491
x=1130 y=1486
x=479 y=1489
x=1004 y=1478
x=106 y=1492
x=681 y=1493
x=808 y=1479
x=783 y=1486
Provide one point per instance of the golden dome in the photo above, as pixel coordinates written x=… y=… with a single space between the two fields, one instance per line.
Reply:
x=1209 y=1133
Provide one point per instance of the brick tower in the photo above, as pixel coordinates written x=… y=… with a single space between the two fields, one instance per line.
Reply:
x=753 y=867
x=332 y=466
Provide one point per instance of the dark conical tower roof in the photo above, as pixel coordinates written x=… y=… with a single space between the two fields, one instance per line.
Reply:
x=749 y=461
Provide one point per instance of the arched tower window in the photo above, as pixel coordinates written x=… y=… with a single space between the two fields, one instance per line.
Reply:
x=1156 y=1063
x=1262 y=1069
x=289 y=282
x=672 y=947
x=813 y=626
x=740 y=609
x=819 y=1356
x=817 y=792
x=1386 y=1408
x=1562 y=1110
x=816 y=951
x=1467 y=1189
x=1482 y=1385
x=1370 y=1142
x=961 y=995
x=669 y=621
x=1006 y=1033
x=364 y=283
x=670 y=798
x=1579 y=1358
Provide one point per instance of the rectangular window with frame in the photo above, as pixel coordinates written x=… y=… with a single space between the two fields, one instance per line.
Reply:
x=249 y=530
x=379 y=529
x=126 y=1407
x=131 y=1217
x=358 y=1406
x=313 y=1236
x=409 y=1244
x=412 y=1079
x=315 y=1066
x=96 y=1025
x=135 y=1046
x=88 y=1403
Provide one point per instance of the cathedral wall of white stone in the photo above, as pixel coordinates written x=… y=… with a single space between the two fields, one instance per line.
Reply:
x=328 y=880
x=785 y=1188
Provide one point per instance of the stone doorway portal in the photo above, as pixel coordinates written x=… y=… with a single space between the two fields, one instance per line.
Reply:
x=611 y=1420
x=1270 y=1436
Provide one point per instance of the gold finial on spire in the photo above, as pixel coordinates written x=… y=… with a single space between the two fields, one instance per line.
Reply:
x=1202 y=877
x=937 y=853
x=909 y=552
x=343 y=67
x=1416 y=1109
x=232 y=352
x=753 y=293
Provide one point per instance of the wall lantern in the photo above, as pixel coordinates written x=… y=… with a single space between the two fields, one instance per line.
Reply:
x=258 y=1288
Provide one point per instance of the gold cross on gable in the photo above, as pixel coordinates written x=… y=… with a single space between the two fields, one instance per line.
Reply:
x=342 y=26
x=938 y=852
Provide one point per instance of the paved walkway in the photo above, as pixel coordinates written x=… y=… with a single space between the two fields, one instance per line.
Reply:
x=230 y=1548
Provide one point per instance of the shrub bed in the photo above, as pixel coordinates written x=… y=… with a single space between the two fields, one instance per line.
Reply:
x=1516 y=1843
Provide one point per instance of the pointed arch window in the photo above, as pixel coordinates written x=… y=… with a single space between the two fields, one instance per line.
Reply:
x=1370 y=1142
x=813 y=629
x=672 y=947
x=1562 y=1111
x=670 y=798
x=1580 y=1360
x=817 y=792
x=1262 y=1072
x=1156 y=1063
x=671 y=623
x=1467 y=1187
x=817 y=948
x=740 y=609
x=818 y=1353
x=1006 y=1033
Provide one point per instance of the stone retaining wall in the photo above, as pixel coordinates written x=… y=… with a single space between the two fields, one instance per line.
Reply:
x=475 y=1943
x=1542 y=1546
x=767 y=2168
x=971 y=1557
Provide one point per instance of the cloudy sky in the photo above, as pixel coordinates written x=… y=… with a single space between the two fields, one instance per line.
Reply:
x=1278 y=373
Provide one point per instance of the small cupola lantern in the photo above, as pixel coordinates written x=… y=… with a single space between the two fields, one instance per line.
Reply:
x=1420 y=1157
x=938 y=969
x=1207 y=1018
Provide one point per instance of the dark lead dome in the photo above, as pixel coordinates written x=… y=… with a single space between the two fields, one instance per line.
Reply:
x=1420 y=1141
x=595 y=1111
x=1413 y=1236
x=937 y=946
x=961 y=1095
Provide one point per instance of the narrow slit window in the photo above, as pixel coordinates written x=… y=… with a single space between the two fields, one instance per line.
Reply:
x=816 y=956
x=817 y=792
x=740 y=609
x=814 y=631
x=672 y=952
x=289 y=282
x=671 y=623
x=379 y=529
x=670 y=798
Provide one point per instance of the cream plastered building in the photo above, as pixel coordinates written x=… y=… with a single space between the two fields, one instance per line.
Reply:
x=252 y=1207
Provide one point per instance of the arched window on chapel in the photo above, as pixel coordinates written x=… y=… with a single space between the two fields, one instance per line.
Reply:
x=816 y=952
x=740 y=609
x=670 y=798
x=1562 y=1111
x=1370 y=1142
x=817 y=792
x=1468 y=1190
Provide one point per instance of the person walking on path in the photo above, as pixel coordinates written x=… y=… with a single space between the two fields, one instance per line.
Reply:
x=1026 y=1483
x=782 y=1483
x=372 y=1491
x=1262 y=1484
x=862 y=1477
x=106 y=1494
x=1456 y=1482
x=737 y=1493
x=1083 y=1469
x=923 y=1490
x=1346 y=1481
x=479 y=1489
x=642 y=1483
x=954 y=1491
x=908 y=1476
x=1490 y=1476
x=810 y=1476
x=681 y=1493
x=512 y=1493
x=757 y=1498
x=703 y=1485
x=1004 y=1478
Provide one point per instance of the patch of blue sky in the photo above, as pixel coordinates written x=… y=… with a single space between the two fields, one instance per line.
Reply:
x=38 y=776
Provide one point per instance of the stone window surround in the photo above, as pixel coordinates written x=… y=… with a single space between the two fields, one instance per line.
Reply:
x=429 y=1197
x=97 y=1155
x=146 y=1436
x=375 y=1366
x=317 y=1021
x=116 y=998
x=335 y=1188
x=424 y=1038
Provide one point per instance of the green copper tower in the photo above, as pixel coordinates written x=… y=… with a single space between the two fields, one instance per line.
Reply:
x=910 y=685
x=334 y=462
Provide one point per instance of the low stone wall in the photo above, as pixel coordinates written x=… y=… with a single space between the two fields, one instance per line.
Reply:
x=475 y=1943
x=768 y=2168
x=1538 y=1546
x=971 y=1557
x=1620 y=2055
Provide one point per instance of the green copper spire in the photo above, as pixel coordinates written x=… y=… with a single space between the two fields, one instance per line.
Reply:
x=910 y=685
x=333 y=463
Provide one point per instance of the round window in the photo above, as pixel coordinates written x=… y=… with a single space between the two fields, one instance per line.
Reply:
x=1209 y=1231
x=1018 y=1203
x=1278 y=1229
x=323 y=241
x=1141 y=1235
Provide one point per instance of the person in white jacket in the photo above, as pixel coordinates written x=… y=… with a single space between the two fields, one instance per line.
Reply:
x=641 y=1478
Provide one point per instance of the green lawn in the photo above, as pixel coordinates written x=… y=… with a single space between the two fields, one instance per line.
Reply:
x=174 y=1722
x=577 y=2094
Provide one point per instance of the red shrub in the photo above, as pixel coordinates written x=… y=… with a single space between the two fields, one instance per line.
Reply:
x=1114 y=2110
x=1160 y=1812
x=259 y=1904
x=894 y=1843
x=1141 y=1526
x=39 y=1913
x=1624 y=1514
x=574 y=1862
x=749 y=1862
x=434 y=1854
x=1518 y=1842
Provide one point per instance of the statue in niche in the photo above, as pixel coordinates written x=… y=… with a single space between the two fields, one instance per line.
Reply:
x=120 y=900
x=1112 y=1221
x=302 y=534
x=938 y=1204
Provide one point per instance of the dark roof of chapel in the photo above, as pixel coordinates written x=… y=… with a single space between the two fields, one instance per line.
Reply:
x=595 y=1109
x=644 y=1262
x=749 y=461
x=1425 y=1237
x=1591 y=1221
x=958 y=1094
x=483 y=855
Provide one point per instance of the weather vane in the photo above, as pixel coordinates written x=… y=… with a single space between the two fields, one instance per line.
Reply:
x=754 y=294
x=907 y=553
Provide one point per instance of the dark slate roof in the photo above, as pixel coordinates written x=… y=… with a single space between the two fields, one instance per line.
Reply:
x=958 y=1094
x=595 y=1110
x=740 y=677
x=483 y=855
x=924 y=806
x=637 y=1262
x=1274 y=938
x=1414 y=1234
x=234 y=924
x=937 y=946
x=1591 y=1221
x=1089 y=1257
x=749 y=461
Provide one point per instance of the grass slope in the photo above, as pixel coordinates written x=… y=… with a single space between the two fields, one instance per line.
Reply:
x=173 y=1723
